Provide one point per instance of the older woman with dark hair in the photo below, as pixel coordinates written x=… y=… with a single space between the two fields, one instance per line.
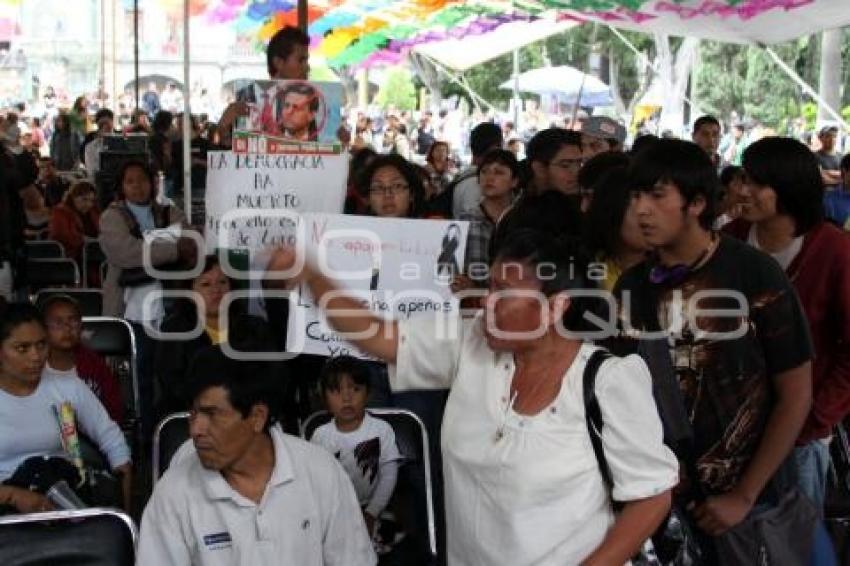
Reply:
x=174 y=353
x=523 y=485
x=134 y=217
x=782 y=214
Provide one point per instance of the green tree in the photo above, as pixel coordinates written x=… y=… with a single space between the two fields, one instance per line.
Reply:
x=398 y=90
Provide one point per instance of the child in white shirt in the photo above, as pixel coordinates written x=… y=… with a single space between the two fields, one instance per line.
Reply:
x=363 y=444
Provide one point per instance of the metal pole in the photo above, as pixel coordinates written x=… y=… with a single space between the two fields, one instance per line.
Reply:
x=302 y=14
x=578 y=101
x=103 y=47
x=136 y=48
x=114 y=51
x=516 y=91
x=806 y=88
x=187 y=119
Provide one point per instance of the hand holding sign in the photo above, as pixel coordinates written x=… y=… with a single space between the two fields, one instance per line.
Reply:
x=284 y=259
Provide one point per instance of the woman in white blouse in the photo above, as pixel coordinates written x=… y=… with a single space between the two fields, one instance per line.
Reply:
x=522 y=483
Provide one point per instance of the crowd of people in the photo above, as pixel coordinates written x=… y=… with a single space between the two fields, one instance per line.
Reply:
x=650 y=335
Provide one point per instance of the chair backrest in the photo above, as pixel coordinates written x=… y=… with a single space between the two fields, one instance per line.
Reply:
x=414 y=477
x=95 y=537
x=56 y=272
x=92 y=256
x=44 y=249
x=113 y=339
x=170 y=435
x=90 y=300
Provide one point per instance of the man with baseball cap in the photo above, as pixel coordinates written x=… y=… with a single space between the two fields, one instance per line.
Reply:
x=827 y=158
x=600 y=134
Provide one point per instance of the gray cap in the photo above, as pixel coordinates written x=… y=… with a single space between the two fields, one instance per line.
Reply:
x=604 y=127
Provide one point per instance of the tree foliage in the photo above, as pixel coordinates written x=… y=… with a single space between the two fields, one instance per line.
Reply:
x=730 y=78
x=398 y=90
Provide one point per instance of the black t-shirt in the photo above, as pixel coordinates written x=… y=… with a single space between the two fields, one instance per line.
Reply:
x=725 y=379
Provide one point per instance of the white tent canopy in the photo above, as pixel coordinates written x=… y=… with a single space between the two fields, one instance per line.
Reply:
x=773 y=22
x=463 y=54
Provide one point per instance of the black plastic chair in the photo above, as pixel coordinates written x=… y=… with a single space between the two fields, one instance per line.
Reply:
x=113 y=339
x=413 y=486
x=837 y=501
x=92 y=256
x=90 y=537
x=56 y=272
x=90 y=300
x=44 y=249
x=169 y=436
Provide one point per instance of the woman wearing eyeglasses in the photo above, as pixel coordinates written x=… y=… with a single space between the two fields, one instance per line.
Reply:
x=394 y=188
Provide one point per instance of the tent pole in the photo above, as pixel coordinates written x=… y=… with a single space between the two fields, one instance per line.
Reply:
x=516 y=90
x=474 y=95
x=302 y=15
x=578 y=101
x=187 y=119
x=805 y=86
x=136 y=48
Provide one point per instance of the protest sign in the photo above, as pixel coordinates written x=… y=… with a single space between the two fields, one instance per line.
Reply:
x=252 y=200
x=399 y=268
x=294 y=110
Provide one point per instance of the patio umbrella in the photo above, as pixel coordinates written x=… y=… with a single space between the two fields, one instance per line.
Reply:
x=565 y=83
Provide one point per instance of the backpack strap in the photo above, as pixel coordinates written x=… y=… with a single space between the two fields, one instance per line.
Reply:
x=593 y=413
x=161 y=216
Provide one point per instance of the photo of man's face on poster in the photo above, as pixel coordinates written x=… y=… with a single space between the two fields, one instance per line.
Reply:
x=298 y=105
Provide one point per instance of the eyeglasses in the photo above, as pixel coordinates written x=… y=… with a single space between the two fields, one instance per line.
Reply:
x=572 y=164
x=391 y=190
x=73 y=324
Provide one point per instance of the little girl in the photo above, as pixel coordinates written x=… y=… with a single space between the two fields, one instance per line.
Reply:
x=364 y=445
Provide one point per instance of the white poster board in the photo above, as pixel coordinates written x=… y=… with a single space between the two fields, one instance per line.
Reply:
x=400 y=268
x=252 y=200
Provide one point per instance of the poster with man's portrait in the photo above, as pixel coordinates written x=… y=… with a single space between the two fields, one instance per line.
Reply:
x=292 y=110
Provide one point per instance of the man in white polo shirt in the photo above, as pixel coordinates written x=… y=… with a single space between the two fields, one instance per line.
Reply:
x=246 y=493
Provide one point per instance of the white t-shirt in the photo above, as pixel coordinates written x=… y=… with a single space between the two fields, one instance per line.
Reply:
x=784 y=258
x=308 y=515
x=534 y=494
x=369 y=456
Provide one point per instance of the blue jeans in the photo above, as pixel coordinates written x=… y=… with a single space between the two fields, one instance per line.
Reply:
x=812 y=463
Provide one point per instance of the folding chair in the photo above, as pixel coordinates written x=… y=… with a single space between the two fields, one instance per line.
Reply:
x=95 y=537
x=92 y=256
x=414 y=475
x=113 y=339
x=169 y=436
x=56 y=272
x=44 y=249
x=837 y=503
x=90 y=300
